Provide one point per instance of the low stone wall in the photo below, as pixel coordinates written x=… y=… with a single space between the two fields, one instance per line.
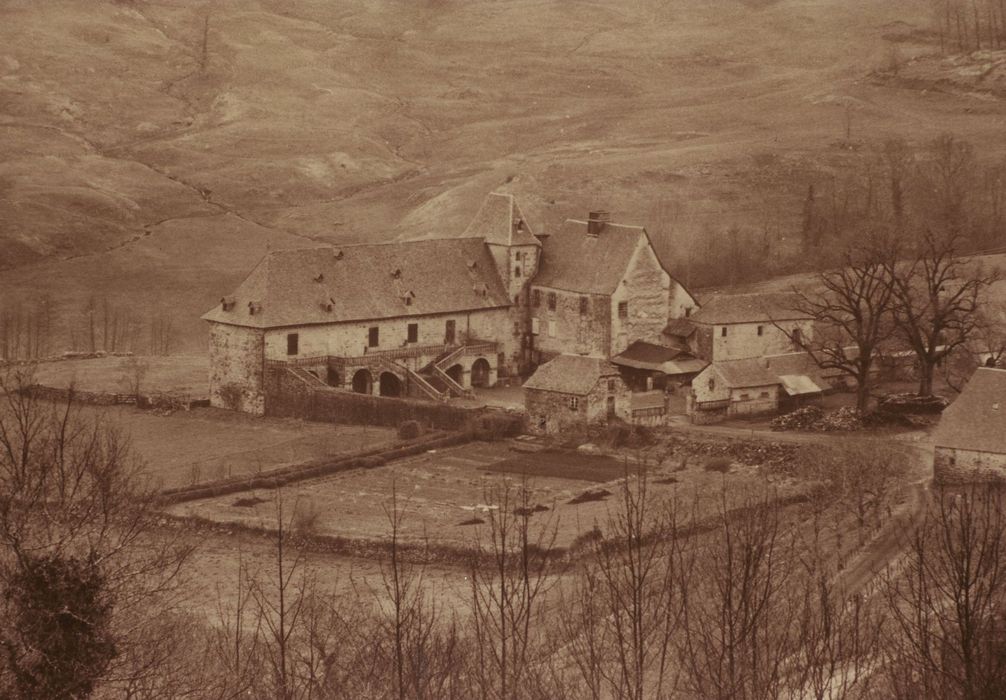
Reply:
x=99 y=398
x=309 y=470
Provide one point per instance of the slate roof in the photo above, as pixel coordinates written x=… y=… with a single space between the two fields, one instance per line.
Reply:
x=722 y=309
x=570 y=374
x=764 y=371
x=680 y=328
x=645 y=355
x=500 y=221
x=575 y=262
x=976 y=420
x=364 y=282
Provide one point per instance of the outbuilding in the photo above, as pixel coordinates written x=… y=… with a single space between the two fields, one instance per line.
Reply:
x=572 y=391
x=970 y=440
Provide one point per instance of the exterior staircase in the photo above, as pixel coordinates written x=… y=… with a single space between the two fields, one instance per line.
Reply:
x=416 y=379
x=306 y=377
x=436 y=375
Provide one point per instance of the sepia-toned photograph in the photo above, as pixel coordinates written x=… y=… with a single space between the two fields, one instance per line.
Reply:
x=503 y=349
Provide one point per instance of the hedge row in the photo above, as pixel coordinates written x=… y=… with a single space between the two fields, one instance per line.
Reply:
x=308 y=470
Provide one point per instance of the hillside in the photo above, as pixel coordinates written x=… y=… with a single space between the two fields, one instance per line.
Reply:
x=152 y=151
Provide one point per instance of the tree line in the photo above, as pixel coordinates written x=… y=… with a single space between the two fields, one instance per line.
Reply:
x=34 y=330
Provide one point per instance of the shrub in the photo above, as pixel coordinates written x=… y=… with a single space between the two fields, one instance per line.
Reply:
x=718 y=464
x=496 y=426
x=410 y=430
x=230 y=396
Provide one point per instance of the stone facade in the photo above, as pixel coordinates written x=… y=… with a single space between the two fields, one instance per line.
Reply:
x=739 y=341
x=353 y=339
x=551 y=412
x=236 y=368
x=640 y=306
x=958 y=466
x=579 y=323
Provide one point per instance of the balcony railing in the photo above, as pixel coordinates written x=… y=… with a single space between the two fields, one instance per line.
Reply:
x=412 y=351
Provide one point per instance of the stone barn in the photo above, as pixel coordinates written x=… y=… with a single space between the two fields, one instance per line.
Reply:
x=970 y=440
x=573 y=391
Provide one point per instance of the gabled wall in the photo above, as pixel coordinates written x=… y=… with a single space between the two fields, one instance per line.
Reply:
x=645 y=288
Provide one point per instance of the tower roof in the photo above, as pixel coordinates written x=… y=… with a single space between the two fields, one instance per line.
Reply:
x=500 y=221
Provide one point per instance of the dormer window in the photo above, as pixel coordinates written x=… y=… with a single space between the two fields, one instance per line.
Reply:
x=338 y=255
x=227 y=303
x=408 y=297
x=396 y=273
x=328 y=305
x=254 y=307
x=320 y=277
x=472 y=264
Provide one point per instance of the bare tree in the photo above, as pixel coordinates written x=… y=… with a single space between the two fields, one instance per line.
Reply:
x=510 y=573
x=937 y=299
x=946 y=601
x=737 y=623
x=852 y=315
x=77 y=524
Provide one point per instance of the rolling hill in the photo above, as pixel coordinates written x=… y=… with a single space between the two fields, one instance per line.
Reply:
x=154 y=150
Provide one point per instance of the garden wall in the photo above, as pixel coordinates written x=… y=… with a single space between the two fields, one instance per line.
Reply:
x=288 y=397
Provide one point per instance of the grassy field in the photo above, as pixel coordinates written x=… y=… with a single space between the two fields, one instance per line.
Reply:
x=181 y=374
x=447 y=493
x=206 y=444
x=246 y=125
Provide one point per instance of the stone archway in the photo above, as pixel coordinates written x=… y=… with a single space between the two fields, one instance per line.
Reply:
x=389 y=384
x=480 y=372
x=362 y=382
x=457 y=373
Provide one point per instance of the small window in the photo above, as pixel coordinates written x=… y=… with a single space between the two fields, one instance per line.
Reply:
x=745 y=396
x=413 y=332
x=516 y=271
x=712 y=383
x=574 y=403
x=551 y=329
x=551 y=301
x=764 y=394
x=516 y=327
x=761 y=331
x=723 y=332
x=292 y=343
x=516 y=300
x=688 y=311
x=534 y=326
x=374 y=336
x=623 y=309
x=611 y=385
x=584 y=305
x=797 y=337
x=535 y=297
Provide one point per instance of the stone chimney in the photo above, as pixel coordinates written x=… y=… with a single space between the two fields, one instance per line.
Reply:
x=596 y=221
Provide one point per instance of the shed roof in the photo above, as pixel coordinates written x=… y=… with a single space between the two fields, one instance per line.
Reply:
x=976 y=420
x=570 y=374
x=797 y=370
x=500 y=221
x=748 y=308
x=670 y=361
x=365 y=282
x=680 y=328
x=574 y=261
